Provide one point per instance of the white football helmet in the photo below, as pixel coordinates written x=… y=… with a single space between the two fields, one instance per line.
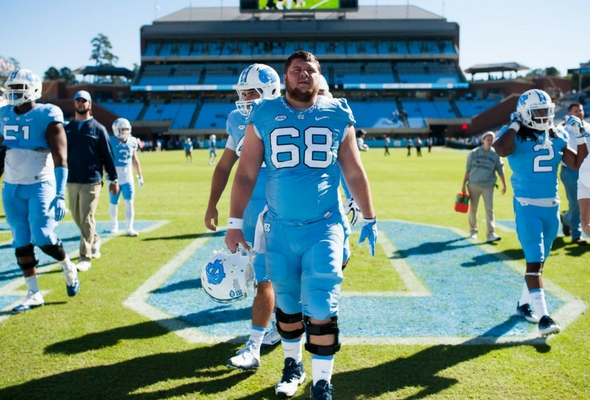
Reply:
x=122 y=128
x=261 y=77
x=324 y=86
x=536 y=109
x=3 y=101
x=22 y=86
x=225 y=277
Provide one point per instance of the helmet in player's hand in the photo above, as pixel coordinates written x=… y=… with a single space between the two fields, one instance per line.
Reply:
x=226 y=277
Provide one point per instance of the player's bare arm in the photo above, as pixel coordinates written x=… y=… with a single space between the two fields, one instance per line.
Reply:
x=354 y=173
x=251 y=159
x=58 y=143
x=218 y=184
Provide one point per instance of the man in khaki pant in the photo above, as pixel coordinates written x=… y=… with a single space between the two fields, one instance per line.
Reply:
x=89 y=152
x=480 y=178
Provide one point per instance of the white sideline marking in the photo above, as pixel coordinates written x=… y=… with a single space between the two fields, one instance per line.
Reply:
x=415 y=287
x=138 y=301
x=573 y=307
x=10 y=289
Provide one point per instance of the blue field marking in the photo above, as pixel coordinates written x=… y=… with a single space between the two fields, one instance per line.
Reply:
x=470 y=292
x=69 y=233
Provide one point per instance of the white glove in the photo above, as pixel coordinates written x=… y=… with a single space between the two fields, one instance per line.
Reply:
x=575 y=125
x=350 y=206
x=140 y=180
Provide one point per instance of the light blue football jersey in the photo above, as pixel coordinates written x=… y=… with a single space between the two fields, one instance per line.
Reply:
x=28 y=130
x=300 y=152
x=534 y=166
x=236 y=128
x=123 y=151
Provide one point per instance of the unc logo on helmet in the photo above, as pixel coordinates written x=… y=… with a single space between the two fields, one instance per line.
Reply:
x=536 y=110
x=261 y=78
x=22 y=86
x=226 y=277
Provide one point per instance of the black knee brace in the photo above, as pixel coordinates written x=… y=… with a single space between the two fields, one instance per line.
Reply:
x=55 y=250
x=289 y=319
x=26 y=251
x=331 y=328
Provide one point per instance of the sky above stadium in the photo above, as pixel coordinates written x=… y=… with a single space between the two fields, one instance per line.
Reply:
x=40 y=34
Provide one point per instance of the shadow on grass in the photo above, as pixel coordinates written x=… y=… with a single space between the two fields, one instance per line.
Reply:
x=187 y=236
x=130 y=378
x=432 y=248
x=146 y=330
x=420 y=371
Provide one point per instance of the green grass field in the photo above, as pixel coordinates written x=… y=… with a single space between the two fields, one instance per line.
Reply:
x=93 y=347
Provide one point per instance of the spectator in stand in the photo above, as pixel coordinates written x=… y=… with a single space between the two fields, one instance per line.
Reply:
x=570 y=219
x=483 y=163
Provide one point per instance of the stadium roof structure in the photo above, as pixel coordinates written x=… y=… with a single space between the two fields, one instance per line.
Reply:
x=365 y=23
x=104 y=70
x=500 y=67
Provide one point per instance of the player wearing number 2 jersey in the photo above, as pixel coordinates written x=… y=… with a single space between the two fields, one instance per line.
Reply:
x=535 y=147
x=301 y=137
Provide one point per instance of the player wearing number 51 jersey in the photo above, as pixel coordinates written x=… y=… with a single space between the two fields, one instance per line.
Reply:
x=302 y=138
x=35 y=176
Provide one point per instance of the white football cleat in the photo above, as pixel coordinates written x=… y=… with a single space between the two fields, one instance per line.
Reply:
x=132 y=232
x=247 y=359
x=33 y=299
x=70 y=274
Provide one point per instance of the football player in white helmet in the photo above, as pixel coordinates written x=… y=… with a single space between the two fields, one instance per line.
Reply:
x=35 y=177
x=212 y=149
x=258 y=81
x=226 y=277
x=535 y=147
x=125 y=151
x=3 y=101
x=324 y=87
x=188 y=150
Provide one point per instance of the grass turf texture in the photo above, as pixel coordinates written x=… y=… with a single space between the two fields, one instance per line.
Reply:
x=93 y=347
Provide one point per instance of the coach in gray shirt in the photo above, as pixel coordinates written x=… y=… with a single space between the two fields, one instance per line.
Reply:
x=480 y=178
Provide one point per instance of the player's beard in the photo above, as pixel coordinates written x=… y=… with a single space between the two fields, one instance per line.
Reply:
x=298 y=94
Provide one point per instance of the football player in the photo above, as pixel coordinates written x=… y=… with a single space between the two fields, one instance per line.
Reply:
x=258 y=81
x=188 y=150
x=35 y=177
x=302 y=138
x=535 y=147
x=125 y=154
x=212 y=149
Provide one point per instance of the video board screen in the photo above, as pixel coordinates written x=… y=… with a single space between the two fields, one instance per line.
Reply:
x=297 y=5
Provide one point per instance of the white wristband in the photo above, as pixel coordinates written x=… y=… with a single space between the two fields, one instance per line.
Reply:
x=235 y=223
x=370 y=220
x=581 y=140
x=515 y=126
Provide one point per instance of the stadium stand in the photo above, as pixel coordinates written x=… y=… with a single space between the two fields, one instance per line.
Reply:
x=397 y=65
